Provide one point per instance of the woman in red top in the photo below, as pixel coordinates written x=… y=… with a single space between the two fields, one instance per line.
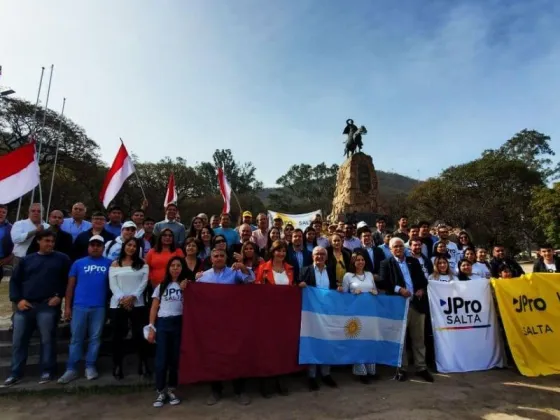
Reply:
x=275 y=271
x=159 y=256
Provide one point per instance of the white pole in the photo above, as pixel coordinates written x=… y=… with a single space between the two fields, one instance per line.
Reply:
x=41 y=142
x=34 y=127
x=56 y=154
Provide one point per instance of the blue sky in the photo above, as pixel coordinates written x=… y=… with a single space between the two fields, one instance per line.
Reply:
x=435 y=82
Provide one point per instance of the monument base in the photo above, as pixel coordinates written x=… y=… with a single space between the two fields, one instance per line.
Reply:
x=356 y=188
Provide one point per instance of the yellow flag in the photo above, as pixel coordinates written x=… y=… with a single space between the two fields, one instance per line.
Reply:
x=530 y=310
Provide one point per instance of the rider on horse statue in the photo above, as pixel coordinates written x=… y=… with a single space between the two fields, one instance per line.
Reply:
x=354 y=139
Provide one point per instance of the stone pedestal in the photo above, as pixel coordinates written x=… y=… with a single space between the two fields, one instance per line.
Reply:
x=356 y=188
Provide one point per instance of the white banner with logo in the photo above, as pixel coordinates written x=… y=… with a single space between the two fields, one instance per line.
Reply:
x=464 y=321
x=300 y=221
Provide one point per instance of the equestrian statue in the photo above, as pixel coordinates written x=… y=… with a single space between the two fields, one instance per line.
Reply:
x=354 y=137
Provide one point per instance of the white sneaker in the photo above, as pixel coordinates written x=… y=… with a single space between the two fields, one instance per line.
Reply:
x=45 y=378
x=172 y=398
x=91 y=374
x=160 y=400
x=69 y=376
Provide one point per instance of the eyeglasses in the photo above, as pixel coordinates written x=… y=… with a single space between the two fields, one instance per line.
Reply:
x=220 y=241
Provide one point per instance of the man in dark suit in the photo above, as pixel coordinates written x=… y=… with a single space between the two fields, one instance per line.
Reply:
x=298 y=255
x=372 y=254
x=323 y=277
x=63 y=240
x=403 y=276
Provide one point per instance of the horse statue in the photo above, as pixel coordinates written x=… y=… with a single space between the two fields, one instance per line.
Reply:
x=354 y=137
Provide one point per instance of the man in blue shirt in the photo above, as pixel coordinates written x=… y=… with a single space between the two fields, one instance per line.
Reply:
x=37 y=286
x=86 y=296
x=231 y=235
x=114 y=225
x=76 y=224
x=220 y=274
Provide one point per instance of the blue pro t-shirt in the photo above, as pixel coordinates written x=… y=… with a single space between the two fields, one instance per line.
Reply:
x=92 y=282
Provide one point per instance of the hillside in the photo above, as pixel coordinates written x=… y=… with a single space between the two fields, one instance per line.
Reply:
x=390 y=184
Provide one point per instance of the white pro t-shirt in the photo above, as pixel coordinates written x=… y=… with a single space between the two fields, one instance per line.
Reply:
x=171 y=301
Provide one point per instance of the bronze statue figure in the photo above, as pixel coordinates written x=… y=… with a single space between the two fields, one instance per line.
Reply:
x=354 y=139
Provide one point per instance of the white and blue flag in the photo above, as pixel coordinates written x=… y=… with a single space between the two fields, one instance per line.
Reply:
x=343 y=329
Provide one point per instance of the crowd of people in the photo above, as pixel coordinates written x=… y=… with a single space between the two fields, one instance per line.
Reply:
x=132 y=274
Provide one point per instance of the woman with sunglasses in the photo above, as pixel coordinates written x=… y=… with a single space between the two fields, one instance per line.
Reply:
x=357 y=281
x=128 y=277
x=288 y=231
x=205 y=236
x=338 y=257
x=219 y=242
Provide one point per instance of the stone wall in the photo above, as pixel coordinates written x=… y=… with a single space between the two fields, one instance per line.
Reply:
x=356 y=187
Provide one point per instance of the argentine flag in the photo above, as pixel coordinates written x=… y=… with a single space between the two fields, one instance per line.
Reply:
x=343 y=329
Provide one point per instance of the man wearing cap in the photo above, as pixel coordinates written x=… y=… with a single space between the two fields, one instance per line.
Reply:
x=248 y=219
x=113 y=248
x=86 y=296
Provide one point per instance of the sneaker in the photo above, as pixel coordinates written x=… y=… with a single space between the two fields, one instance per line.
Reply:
x=69 y=376
x=329 y=381
x=45 y=378
x=213 y=399
x=424 y=374
x=243 y=399
x=172 y=398
x=160 y=400
x=12 y=380
x=91 y=373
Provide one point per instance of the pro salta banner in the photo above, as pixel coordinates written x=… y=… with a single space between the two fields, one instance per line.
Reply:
x=299 y=221
x=530 y=310
x=465 y=326
x=239 y=331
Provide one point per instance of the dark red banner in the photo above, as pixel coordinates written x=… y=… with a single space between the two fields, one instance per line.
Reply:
x=239 y=331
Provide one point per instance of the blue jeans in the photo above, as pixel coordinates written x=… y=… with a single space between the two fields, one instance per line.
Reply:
x=90 y=322
x=168 y=347
x=44 y=318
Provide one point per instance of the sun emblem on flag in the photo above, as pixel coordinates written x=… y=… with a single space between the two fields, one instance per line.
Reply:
x=353 y=328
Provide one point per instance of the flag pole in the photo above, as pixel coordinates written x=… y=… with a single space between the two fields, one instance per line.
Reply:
x=238 y=203
x=56 y=154
x=137 y=177
x=41 y=142
x=34 y=127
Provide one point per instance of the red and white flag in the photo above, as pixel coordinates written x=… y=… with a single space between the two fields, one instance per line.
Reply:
x=171 y=195
x=121 y=169
x=19 y=173
x=225 y=190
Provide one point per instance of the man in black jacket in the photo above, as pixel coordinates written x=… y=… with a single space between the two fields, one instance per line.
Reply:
x=323 y=277
x=403 y=276
x=548 y=262
x=63 y=241
x=298 y=256
x=97 y=228
x=499 y=258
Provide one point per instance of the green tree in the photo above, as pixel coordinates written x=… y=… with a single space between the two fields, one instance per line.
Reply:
x=546 y=210
x=241 y=176
x=305 y=188
x=534 y=149
x=489 y=196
